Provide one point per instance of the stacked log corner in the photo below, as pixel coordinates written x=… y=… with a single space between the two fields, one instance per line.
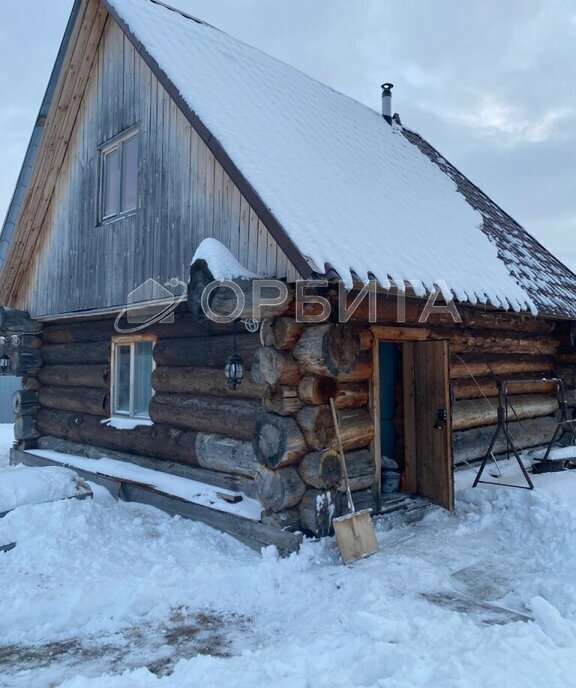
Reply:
x=303 y=366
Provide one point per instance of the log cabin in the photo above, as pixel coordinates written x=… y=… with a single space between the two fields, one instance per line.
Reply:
x=168 y=155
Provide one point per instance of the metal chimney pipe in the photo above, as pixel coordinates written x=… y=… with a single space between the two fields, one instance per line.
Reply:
x=387 y=102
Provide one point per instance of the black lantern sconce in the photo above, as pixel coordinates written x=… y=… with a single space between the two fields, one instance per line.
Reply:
x=234 y=370
x=234 y=367
x=4 y=358
x=4 y=365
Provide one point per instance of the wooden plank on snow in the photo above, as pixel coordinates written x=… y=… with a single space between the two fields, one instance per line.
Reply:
x=253 y=534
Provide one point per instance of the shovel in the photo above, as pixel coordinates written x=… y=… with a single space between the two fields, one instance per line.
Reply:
x=355 y=531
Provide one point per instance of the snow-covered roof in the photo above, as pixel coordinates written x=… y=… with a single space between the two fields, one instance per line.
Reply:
x=353 y=193
x=551 y=285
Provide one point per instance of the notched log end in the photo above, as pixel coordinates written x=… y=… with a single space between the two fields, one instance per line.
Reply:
x=200 y=278
x=277 y=440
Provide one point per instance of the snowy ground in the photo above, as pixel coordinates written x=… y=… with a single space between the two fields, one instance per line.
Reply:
x=100 y=594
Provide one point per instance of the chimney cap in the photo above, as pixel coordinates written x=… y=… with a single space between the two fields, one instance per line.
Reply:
x=387 y=102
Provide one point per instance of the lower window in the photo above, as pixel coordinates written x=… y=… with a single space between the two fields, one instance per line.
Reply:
x=132 y=365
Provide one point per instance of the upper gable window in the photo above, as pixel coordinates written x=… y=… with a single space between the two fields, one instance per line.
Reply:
x=119 y=176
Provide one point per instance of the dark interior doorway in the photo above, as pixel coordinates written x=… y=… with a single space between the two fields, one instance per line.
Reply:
x=414 y=416
x=390 y=399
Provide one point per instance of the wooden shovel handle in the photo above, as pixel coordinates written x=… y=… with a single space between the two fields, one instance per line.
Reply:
x=342 y=458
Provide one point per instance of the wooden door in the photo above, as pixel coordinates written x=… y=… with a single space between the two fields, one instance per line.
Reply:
x=429 y=469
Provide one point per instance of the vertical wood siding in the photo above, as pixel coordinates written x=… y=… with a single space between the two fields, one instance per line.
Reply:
x=184 y=196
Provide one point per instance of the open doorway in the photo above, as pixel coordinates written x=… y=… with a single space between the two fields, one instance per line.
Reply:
x=411 y=404
x=391 y=413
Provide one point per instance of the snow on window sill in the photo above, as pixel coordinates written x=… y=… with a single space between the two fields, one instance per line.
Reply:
x=125 y=423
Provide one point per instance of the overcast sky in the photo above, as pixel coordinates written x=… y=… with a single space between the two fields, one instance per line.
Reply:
x=491 y=84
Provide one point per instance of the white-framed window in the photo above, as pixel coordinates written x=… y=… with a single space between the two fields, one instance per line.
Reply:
x=119 y=176
x=131 y=385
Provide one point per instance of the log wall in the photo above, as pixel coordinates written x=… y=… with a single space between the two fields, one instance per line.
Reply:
x=271 y=434
x=197 y=419
x=525 y=358
x=274 y=435
x=487 y=347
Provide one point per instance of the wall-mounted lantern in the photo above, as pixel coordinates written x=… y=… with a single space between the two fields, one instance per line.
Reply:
x=4 y=365
x=234 y=370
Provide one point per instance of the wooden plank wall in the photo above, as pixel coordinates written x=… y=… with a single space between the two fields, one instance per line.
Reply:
x=184 y=197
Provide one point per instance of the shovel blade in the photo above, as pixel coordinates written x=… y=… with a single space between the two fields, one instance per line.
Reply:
x=355 y=535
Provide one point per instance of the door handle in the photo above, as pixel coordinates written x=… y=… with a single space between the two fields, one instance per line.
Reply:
x=441 y=419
